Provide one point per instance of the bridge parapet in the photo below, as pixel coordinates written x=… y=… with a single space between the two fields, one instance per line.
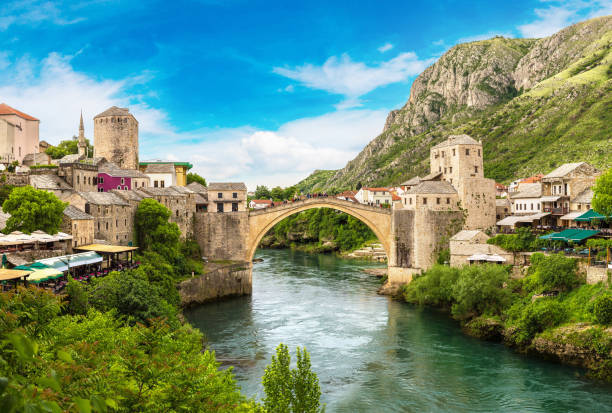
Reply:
x=324 y=201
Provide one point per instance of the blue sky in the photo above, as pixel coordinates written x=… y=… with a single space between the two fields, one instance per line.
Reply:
x=255 y=91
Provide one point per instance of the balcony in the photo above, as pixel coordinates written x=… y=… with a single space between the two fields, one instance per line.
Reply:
x=556 y=211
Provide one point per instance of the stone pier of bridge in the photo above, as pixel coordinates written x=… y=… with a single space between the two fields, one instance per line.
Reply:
x=411 y=238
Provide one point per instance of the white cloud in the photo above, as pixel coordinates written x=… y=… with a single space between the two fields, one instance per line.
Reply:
x=351 y=79
x=559 y=14
x=385 y=47
x=54 y=92
x=33 y=12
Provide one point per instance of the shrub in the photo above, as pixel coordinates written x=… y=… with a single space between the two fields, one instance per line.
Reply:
x=434 y=287
x=78 y=299
x=554 y=272
x=480 y=289
x=602 y=309
x=535 y=317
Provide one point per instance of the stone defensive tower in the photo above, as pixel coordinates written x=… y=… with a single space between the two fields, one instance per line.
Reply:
x=116 y=137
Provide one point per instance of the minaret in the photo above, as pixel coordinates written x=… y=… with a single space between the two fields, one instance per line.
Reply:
x=82 y=144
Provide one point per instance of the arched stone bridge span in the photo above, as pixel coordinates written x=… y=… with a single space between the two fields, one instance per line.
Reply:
x=379 y=220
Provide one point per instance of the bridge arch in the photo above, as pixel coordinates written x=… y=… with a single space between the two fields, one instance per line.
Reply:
x=262 y=221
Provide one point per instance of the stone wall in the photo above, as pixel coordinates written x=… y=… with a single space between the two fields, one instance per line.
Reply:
x=222 y=236
x=16 y=179
x=116 y=139
x=433 y=230
x=82 y=230
x=81 y=177
x=403 y=232
x=232 y=280
x=597 y=274
x=478 y=198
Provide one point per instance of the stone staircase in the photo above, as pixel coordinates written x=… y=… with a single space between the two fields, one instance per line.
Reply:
x=373 y=251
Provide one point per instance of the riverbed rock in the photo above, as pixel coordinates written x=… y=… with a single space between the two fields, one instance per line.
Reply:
x=484 y=328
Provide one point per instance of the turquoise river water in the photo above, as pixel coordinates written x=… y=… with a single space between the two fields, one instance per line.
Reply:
x=373 y=354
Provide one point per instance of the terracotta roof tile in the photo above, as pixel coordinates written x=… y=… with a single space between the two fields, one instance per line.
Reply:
x=7 y=110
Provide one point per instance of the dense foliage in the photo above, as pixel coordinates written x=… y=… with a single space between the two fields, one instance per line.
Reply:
x=319 y=229
x=276 y=194
x=551 y=302
x=602 y=194
x=291 y=390
x=523 y=240
x=32 y=209
x=194 y=177
x=95 y=362
x=67 y=147
x=5 y=191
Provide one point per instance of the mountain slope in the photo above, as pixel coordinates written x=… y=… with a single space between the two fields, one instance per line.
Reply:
x=534 y=103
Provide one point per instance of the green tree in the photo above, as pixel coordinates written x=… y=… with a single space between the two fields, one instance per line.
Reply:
x=554 y=272
x=602 y=194
x=5 y=191
x=153 y=230
x=289 y=192
x=277 y=193
x=32 y=209
x=262 y=192
x=67 y=147
x=291 y=390
x=193 y=177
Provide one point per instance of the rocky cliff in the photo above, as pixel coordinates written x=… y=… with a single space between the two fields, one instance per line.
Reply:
x=535 y=103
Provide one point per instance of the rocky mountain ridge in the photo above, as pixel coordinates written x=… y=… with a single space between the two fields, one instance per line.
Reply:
x=503 y=91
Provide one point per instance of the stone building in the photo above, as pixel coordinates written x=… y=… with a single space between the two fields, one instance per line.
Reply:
x=566 y=182
x=39 y=158
x=166 y=173
x=467 y=243
x=527 y=200
x=111 y=176
x=113 y=217
x=78 y=224
x=434 y=195
x=18 y=134
x=227 y=197
x=459 y=161
x=201 y=198
x=180 y=201
x=116 y=137
x=502 y=208
x=83 y=177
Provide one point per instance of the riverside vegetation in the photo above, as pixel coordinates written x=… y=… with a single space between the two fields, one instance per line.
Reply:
x=551 y=311
x=119 y=343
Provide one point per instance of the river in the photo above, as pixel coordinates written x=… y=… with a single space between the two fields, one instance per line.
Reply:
x=373 y=354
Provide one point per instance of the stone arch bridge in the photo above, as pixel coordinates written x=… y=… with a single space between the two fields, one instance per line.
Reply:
x=410 y=238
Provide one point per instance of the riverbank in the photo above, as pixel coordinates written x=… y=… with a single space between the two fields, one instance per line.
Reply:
x=550 y=313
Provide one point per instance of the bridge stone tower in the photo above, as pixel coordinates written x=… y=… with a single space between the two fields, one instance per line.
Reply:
x=116 y=137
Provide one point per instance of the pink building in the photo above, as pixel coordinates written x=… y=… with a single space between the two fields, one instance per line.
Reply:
x=19 y=136
x=110 y=176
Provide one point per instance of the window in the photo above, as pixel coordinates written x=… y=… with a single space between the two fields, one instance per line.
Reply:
x=478 y=152
x=122 y=181
x=438 y=201
x=424 y=201
x=532 y=206
x=107 y=226
x=126 y=222
x=454 y=152
x=450 y=169
x=155 y=184
x=444 y=170
x=538 y=206
x=117 y=223
x=565 y=187
x=235 y=195
x=95 y=181
x=467 y=152
x=234 y=206
x=162 y=183
x=118 y=186
x=219 y=195
x=75 y=226
x=98 y=226
x=443 y=154
x=439 y=169
x=78 y=179
x=447 y=200
x=219 y=207
x=410 y=201
x=125 y=188
x=476 y=169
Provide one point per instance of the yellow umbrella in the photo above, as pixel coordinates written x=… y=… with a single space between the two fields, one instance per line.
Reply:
x=44 y=275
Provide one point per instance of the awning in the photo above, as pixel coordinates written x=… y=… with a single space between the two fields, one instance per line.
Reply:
x=513 y=219
x=589 y=216
x=549 y=198
x=7 y=275
x=572 y=215
x=45 y=274
x=108 y=249
x=509 y=221
x=571 y=235
x=58 y=263
x=65 y=262
x=478 y=257
x=496 y=258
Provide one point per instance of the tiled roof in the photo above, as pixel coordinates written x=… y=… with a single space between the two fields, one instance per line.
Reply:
x=198 y=187
x=466 y=235
x=7 y=110
x=114 y=170
x=75 y=213
x=72 y=158
x=532 y=179
x=564 y=169
x=528 y=191
x=47 y=181
x=502 y=202
x=432 y=187
x=432 y=176
x=132 y=195
x=181 y=189
x=262 y=201
x=199 y=200
x=159 y=168
x=412 y=181
x=378 y=189
x=114 y=111
x=453 y=140
x=585 y=197
x=227 y=186
x=103 y=198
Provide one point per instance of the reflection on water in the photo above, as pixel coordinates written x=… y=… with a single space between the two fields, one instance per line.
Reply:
x=373 y=354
